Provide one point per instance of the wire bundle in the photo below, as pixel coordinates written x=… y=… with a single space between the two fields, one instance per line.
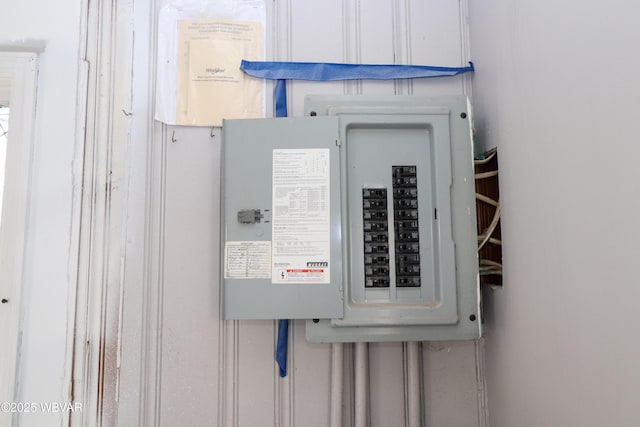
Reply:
x=488 y=235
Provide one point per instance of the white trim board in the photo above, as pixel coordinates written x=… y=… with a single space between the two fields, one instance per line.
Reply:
x=18 y=75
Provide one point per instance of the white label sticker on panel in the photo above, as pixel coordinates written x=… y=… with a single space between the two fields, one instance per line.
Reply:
x=247 y=260
x=300 y=216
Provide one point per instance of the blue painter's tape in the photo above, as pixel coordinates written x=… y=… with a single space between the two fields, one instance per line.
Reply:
x=282 y=346
x=280 y=98
x=320 y=71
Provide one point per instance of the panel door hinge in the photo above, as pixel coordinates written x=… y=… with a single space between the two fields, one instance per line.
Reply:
x=338 y=143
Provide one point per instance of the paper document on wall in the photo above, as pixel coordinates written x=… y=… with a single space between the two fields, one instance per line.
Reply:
x=210 y=84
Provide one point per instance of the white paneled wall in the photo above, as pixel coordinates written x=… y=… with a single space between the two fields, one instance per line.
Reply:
x=183 y=365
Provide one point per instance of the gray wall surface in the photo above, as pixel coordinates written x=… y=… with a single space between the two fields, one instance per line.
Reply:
x=556 y=89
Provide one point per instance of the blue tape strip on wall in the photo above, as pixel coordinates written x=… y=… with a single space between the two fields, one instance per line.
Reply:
x=280 y=98
x=282 y=346
x=318 y=71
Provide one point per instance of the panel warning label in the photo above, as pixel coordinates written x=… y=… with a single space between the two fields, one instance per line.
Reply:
x=300 y=216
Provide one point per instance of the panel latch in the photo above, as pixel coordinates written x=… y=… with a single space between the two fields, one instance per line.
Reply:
x=249 y=216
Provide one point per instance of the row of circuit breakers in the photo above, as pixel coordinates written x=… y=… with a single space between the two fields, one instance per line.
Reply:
x=359 y=217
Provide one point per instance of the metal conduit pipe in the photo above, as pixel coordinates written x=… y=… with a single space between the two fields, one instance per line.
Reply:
x=412 y=384
x=337 y=375
x=362 y=384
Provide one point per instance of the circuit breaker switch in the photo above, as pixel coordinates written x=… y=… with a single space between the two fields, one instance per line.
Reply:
x=376 y=238
x=406 y=226
x=249 y=216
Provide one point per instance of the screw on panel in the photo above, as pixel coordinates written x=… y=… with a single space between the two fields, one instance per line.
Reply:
x=313 y=114
x=472 y=317
x=316 y=320
x=463 y=115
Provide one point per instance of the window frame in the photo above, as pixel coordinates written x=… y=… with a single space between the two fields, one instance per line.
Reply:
x=18 y=82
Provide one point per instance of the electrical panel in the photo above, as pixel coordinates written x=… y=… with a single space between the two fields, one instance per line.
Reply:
x=282 y=256
x=359 y=217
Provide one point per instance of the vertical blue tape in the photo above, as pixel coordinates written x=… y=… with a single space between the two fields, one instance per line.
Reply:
x=280 y=98
x=282 y=346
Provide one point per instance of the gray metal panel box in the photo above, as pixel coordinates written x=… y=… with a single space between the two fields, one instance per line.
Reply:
x=281 y=219
x=429 y=141
x=363 y=220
